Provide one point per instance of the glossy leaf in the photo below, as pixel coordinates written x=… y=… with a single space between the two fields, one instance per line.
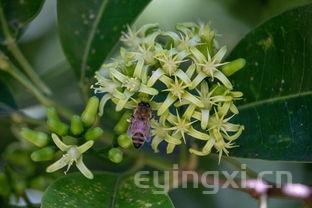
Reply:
x=19 y=13
x=89 y=29
x=277 y=87
x=105 y=190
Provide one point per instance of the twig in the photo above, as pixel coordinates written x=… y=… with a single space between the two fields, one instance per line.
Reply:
x=258 y=189
x=19 y=56
x=7 y=66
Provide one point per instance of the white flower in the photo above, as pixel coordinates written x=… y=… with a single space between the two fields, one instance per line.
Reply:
x=209 y=67
x=73 y=154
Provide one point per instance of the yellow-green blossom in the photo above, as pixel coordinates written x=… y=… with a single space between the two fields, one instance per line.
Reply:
x=73 y=154
x=180 y=74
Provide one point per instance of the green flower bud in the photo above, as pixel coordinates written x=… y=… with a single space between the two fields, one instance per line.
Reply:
x=233 y=66
x=218 y=90
x=76 y=126
x=55 y=124
x=89 y=115
x=70 y=140
x=124 y=140
x=115 y=155
x=52 y=114
x=39 y=139
x=58 y=127
x=94 y=133
x=122 y=125
x=43 y=154
x=4 y=185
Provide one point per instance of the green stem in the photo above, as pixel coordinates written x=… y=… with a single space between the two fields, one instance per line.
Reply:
x=15 y=73
x=19 y=56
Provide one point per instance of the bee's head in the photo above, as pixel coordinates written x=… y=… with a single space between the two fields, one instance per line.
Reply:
x=144 y=104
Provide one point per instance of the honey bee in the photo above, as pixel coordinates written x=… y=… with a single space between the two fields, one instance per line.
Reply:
x=139 y=128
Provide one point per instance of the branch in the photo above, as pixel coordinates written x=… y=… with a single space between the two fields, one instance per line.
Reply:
x=11 y=45
x=7 y=66
x=260 y=189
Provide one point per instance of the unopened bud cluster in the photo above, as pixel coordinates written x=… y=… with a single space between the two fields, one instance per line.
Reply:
x=73 y=140
x=181 y=74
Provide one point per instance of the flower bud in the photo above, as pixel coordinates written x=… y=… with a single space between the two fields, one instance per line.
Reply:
x=55 y=124
x=124 y=141
x=94 y=133
x=68 y=140
x=76 y=126
x=39 y=139
x=89 y=115
x=122 y=125
x=43 y=154
x=218 y=90
x=52 y=114
x=233 y=66
x=115 y=155
x=58 y=127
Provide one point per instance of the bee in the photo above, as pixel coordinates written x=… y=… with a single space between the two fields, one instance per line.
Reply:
x=139 y=128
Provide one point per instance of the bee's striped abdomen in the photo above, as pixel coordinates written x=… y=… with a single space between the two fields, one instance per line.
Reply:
x=138 y=140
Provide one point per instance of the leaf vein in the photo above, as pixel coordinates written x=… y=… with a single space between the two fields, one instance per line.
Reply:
x=274 y=99
x=90 y=38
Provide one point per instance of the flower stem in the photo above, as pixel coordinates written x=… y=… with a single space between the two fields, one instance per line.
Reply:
x=10 y=68
x=11 y=45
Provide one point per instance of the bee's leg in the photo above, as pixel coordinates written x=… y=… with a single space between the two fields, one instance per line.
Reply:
x=148 y=138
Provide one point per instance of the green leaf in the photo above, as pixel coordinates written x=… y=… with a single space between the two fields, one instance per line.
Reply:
x=89 y=29
x=19 y=13
x=105 y=190
x=277 y=87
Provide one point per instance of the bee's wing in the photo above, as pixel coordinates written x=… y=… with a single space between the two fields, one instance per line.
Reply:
x=147 y=131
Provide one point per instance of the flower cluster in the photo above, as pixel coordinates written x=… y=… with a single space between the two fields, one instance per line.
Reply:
x=183 y=78
x=72 y=141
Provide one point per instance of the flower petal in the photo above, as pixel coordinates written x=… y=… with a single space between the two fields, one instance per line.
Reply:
x=204 y=118
x=198 y=135
x=166 y=80
x=119 y=76
x=148 y=90
x=197 y=80
x=155 y=142
x=83 y=168
x=58 y=164
x=223 y=79
x=155 y=76
x=59 y=143
x=190 y=71
x=191 y=98
x=183 y=76
x=166 y=104
x=220 y=54
x=87 y=145
x=198 y=55
x=103 y=101
x=170 y=148
x=138 y=71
